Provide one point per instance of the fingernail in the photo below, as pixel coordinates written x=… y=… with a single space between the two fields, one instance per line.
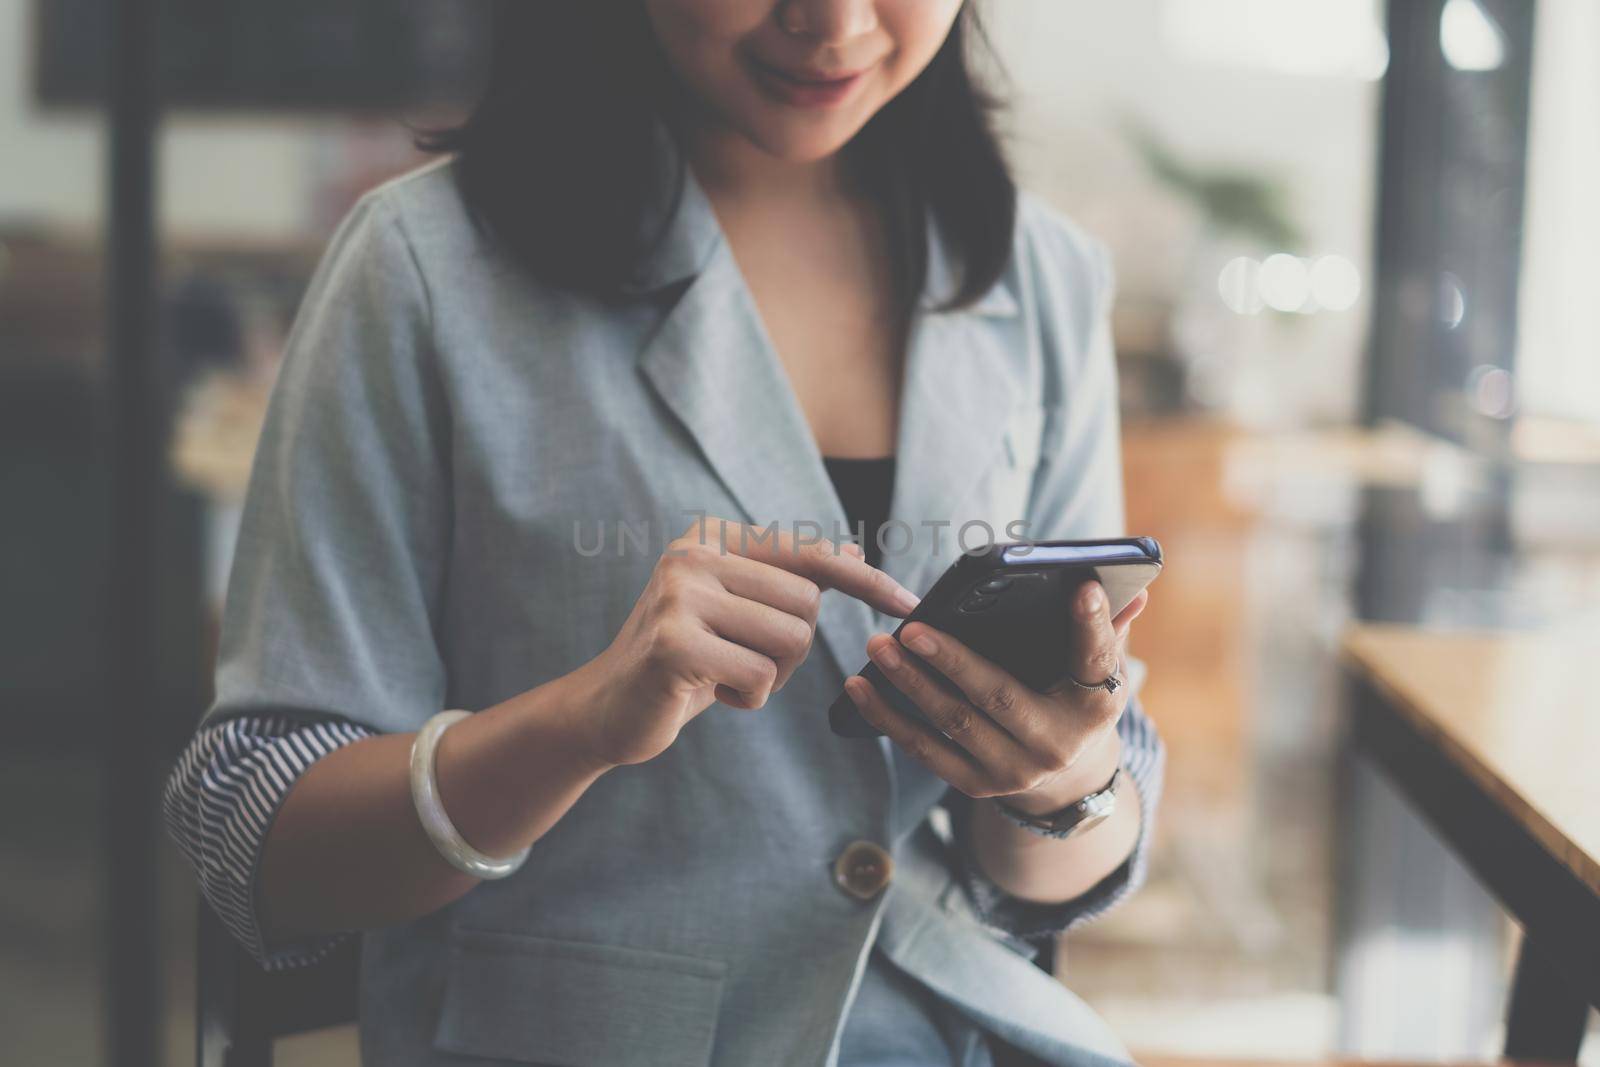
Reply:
x=887 y=656
x=1092 y=599
x=854 y=692
x=853 y=548
x=906 y=600
x=922 y=644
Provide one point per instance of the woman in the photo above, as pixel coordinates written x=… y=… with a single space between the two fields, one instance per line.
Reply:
x=692 y=267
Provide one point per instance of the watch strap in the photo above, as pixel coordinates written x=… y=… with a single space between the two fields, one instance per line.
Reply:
x=1073 y=818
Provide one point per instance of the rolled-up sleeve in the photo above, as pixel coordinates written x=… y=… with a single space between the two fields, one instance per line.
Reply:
x=219 y=803
x=1144 y=758
x=1077 y=493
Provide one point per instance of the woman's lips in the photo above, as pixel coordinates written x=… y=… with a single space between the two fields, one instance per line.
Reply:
x=806 y=88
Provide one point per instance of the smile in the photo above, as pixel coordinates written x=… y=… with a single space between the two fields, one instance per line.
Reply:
x=806 y=88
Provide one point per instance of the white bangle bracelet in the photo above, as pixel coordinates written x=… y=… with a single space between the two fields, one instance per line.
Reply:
x=430 y=810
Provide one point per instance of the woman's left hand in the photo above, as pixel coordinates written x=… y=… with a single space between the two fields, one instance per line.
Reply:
x=1041 y=751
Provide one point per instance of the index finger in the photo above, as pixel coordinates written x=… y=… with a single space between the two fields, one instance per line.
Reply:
x=825 y=563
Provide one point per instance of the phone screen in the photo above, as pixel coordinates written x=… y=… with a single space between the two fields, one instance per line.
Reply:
x=1026 y=553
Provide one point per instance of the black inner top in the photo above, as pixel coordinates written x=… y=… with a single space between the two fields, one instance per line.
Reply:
x=864 y=487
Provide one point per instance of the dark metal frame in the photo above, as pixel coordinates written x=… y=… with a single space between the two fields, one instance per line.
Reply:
x=242 y=1009
x=1558 y=971
x=1452 y=171
x=219 y=56
x=132 y=698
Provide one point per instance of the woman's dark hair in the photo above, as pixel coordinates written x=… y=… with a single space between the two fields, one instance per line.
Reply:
x=559 y=162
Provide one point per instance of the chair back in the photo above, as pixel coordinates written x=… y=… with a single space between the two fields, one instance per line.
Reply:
x=242 y=1009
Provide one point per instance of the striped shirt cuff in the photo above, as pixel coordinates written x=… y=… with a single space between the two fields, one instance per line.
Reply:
x=1144 y=758
x=220 y=801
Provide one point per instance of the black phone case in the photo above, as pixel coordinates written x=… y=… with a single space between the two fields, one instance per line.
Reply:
x=1015 y=614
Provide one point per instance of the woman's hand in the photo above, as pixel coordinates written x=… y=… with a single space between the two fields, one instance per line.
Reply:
x=729 y=614
x=1041 y=751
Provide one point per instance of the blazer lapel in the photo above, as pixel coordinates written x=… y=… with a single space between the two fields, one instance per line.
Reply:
x=965 y=372
x=713 y=365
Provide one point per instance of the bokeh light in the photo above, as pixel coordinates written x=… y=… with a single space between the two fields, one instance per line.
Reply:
x=1452 y=300
x=1285 y=283
x=1239 y=285
x=1469 y=37
x=1493 y=390
x=1335 y=283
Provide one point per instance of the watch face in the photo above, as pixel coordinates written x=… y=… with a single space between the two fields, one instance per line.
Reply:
x=1089 y=822
x=1089 y=813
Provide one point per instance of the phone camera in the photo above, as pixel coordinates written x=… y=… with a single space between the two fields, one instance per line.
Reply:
x=977 y=602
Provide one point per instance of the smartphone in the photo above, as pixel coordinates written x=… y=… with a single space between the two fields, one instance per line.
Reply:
x=1011 y=603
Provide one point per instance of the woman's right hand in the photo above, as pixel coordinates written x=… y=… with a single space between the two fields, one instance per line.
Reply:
x=732 y=624
x=728 y=615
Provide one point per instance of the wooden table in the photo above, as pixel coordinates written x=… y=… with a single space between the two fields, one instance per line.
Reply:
x=1495 y=737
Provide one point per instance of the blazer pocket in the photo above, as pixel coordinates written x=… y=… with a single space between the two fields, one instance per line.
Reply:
x=577 y=1004
x=1024 y=436
x=1002 y=497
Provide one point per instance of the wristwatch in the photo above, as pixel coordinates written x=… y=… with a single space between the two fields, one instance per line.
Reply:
x=1075 y=818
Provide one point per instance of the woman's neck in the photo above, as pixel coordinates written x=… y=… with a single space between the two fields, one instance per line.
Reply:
x=735 y=171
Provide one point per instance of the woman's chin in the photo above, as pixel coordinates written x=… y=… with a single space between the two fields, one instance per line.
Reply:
x=801 y=141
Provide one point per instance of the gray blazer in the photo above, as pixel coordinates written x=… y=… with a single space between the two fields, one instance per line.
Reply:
x=448 y=443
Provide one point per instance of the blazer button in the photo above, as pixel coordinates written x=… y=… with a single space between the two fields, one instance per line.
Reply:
x=863 y=869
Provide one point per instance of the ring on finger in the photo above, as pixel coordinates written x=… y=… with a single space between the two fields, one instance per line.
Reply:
x=1111 y=683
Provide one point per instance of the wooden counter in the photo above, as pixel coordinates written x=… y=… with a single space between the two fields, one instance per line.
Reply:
x=1495 y=738
x=1518 y=713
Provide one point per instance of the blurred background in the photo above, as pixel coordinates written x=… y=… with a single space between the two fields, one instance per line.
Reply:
x=1356 y=246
